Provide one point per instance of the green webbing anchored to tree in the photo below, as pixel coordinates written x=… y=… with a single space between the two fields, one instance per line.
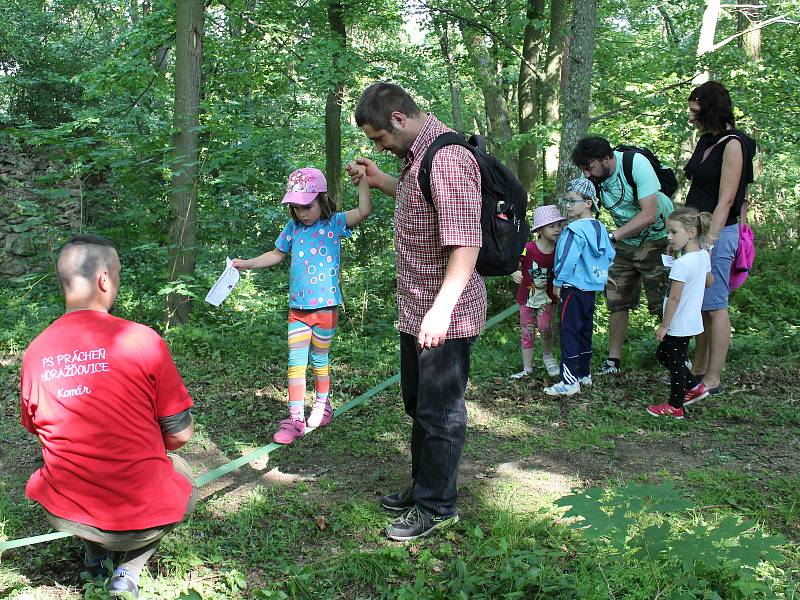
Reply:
x=255 y=454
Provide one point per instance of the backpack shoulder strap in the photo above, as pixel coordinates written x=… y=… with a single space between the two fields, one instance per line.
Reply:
x=449 y=138
x=627 y=171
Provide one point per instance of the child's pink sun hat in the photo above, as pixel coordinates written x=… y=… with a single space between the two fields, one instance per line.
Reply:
x=304 y=185
x=545 y=215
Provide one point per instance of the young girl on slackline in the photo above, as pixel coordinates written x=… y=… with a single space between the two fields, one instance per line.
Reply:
x=312 y=236
x=689 y=276
x=535 y=296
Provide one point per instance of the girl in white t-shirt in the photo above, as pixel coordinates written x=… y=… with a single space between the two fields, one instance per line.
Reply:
x=689 y=276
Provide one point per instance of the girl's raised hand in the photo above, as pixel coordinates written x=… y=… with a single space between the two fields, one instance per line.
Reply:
x=356 y=171
x=239 y=263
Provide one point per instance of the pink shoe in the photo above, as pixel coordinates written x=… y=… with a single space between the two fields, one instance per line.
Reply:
x=320 y=416
x=665 y=410
x=693 y=394
x=289 y=431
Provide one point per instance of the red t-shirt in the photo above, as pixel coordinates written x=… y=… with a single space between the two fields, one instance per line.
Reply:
x=545 y=261
x=93 y=389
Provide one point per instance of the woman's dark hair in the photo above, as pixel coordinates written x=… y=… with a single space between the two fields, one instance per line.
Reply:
x=379 y=101
x=589 y=149
x=716 y=109
x=327 y=207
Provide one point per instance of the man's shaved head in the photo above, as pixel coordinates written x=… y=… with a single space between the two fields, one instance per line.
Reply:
x=83 y=257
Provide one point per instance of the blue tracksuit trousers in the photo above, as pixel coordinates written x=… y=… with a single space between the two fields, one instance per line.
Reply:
x=577 y=319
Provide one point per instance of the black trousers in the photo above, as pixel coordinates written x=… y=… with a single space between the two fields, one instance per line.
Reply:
x=672 y=354
x=433 y=383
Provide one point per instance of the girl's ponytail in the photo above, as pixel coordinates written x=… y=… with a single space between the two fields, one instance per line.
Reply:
x=690 y=217
x=703 y=224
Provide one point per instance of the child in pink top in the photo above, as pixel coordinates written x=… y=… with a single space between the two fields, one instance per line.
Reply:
x=535 y=295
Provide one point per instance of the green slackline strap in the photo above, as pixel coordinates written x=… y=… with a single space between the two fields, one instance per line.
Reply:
x=259 y=452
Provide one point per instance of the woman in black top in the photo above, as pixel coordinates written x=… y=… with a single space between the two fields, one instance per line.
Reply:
x=720 y=170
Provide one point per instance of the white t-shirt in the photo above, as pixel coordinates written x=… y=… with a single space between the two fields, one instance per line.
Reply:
x=691 y=269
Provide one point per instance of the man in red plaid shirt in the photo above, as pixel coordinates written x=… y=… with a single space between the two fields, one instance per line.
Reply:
x=441 y=299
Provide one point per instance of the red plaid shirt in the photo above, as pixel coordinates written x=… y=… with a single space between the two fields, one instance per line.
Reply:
x=424 y=235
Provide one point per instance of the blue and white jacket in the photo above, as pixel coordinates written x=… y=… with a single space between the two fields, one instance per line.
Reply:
x=583 y=256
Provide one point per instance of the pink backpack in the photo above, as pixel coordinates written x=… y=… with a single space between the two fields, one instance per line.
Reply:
x=745 y=256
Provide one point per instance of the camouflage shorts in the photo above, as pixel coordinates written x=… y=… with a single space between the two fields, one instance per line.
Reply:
x=634 y=265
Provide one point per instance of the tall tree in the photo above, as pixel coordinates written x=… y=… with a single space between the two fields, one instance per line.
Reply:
x=575 y=108
x=441 y=28
x=186 y=119
x=538 y=86
x=551 y=79
x=333 y=104
x=529 y=91
x=494 y=100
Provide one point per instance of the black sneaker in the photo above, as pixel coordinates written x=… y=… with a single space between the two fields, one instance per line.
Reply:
x=398 y=501
x=417 y=523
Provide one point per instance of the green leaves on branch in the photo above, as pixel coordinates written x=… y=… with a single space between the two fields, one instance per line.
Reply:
x=635 y=521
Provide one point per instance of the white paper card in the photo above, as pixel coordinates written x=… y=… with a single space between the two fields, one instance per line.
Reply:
x=224 y=285
x=667 y=260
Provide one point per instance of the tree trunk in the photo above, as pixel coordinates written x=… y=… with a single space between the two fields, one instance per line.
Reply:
x=751 y=44
x=496 y=107
x=751 y=41
x=441 y=29
x=551 y=82
x=705 y=43
x=579 y=86
x=333 y=107
x=183 y=198
x=528 y=91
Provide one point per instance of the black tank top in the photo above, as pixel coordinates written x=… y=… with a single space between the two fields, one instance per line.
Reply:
x=706 y=174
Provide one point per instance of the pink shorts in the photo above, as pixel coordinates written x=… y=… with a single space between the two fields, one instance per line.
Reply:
x=531 y=319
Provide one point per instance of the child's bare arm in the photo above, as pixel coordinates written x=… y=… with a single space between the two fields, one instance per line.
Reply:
x=709 y=279
x=268 y=259
x=356 y=215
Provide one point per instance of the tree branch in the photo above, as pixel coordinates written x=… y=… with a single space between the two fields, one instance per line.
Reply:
x=756 y=27
x=625 y=104
x=480 y=27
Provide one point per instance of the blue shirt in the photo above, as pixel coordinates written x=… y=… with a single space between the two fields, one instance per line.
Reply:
x=316 y=259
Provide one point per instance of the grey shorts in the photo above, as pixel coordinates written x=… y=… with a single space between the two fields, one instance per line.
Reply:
x=123 y=541
x=716 y=296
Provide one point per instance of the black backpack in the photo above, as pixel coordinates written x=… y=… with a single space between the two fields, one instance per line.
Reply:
x=666 y=176
x=504 y=202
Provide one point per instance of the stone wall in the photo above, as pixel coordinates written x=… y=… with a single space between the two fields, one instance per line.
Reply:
x=37 y=209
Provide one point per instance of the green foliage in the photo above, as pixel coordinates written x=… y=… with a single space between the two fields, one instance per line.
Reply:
x=707 y=557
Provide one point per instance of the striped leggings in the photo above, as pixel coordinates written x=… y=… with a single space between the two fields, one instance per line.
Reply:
x=310 y=332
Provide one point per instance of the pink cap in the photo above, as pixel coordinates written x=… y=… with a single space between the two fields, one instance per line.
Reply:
x=545 y=215
x=304 y=185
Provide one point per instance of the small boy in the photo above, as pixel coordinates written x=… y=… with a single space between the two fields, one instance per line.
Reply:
x=583 y=255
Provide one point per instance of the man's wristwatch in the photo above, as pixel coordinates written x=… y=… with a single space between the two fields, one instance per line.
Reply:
x=612 y=237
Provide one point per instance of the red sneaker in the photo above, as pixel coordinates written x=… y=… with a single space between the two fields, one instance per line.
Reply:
x=665 y=410
x=695 y=393
x=289 y=431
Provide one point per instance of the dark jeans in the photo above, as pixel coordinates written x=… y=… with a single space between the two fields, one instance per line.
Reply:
x=672 y=354
x=577 y=320
x=433 y=383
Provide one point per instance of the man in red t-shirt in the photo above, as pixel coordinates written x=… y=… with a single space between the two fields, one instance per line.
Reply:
x=106 y=402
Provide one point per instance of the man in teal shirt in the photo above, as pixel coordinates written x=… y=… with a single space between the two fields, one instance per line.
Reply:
x=640 y=236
